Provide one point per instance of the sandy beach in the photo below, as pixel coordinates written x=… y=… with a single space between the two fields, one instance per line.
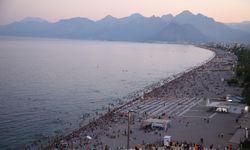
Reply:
x=182 y=100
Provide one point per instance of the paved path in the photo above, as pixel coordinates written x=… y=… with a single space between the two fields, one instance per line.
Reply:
x=158 y=107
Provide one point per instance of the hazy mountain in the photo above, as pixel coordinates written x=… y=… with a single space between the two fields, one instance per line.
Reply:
x=73 y=28
x=26 y=27
x=243 y=26
x=174 y=32
x=208 y=26
x=167 y=18
x=184 y=27
x=133 y=28
x=108 y=21
x=33 y=19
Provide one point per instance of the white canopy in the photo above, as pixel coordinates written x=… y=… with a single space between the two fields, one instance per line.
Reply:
x=218 y=105
x=167 y=140
x=88 y=137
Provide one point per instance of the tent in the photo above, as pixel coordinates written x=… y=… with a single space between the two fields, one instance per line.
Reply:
x=219 y=106
x=156 y=123
x=227 y=107
x=167 y=140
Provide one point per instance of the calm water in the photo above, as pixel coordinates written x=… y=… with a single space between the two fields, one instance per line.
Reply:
x=46 y=85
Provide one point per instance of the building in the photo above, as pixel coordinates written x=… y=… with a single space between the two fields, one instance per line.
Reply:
x=228 y=107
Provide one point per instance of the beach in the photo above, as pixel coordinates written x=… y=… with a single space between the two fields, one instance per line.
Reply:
x=181 y=100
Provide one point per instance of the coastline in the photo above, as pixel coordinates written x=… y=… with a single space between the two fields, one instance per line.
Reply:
x=42 y=136
x=138 y=96
x=172 y=98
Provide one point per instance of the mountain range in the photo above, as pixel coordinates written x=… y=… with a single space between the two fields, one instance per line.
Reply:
x=184 y=27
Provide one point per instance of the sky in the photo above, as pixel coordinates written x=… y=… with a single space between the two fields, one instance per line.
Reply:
x=54 y=10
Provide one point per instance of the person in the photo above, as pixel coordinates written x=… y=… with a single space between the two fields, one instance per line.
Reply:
x=196 y=147
x=211 y=146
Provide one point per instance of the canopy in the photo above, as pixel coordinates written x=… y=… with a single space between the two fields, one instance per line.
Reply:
x=88 y=137
x=218 y=104
x=161 y=121
x=167 y=140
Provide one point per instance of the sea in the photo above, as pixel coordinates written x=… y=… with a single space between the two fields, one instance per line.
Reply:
x=49 y=87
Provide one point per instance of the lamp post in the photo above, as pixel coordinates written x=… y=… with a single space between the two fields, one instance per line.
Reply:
x=129 y=119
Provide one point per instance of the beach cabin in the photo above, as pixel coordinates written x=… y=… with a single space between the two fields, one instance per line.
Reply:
x=218 y=107
x=162 y=124
x=227 y=107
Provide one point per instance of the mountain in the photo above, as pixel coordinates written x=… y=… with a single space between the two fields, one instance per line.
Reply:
x=184 y=27
x=132 y=28
x=167 y=18
x=243 y=26
x=33 y=19
x=73 y=28
x=180 y=33
x=208 y=26
x=26 y=27
x=108 y=21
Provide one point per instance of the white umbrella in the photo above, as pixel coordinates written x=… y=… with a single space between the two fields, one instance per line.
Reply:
x=88 y=137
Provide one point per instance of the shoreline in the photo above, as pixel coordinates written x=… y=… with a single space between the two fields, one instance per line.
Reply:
x=138 y=96
x=171 y=78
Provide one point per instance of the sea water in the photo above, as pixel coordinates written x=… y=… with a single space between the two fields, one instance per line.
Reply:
x=48 y=85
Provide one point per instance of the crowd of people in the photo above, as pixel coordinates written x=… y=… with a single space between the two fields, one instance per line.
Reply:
x=202 y=82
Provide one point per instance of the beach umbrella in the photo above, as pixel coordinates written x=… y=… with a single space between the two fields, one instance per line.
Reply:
x=88 y=137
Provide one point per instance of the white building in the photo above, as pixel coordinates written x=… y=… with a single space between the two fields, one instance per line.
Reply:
x=227 y=107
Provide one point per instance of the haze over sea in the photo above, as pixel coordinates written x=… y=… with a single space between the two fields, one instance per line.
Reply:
x=47 y=85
